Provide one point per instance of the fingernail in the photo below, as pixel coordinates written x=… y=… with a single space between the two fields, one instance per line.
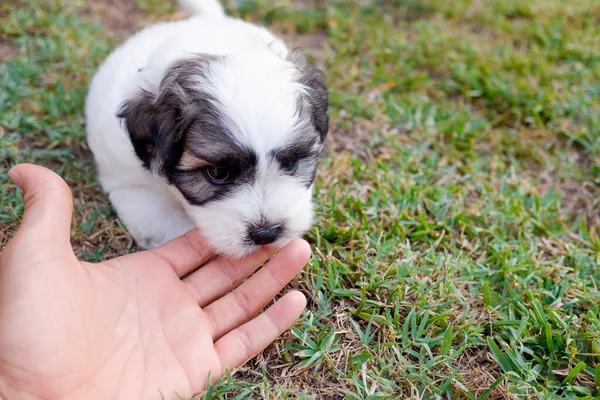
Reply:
x=15 y=177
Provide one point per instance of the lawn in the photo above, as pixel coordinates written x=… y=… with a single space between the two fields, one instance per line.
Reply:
x=457 y=248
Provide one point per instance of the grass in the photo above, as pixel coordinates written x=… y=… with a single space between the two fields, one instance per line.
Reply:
x=457 y=249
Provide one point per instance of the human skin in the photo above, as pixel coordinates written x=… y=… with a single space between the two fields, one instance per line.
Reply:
x=129 y=327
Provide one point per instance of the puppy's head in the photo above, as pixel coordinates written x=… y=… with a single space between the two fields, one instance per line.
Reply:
x=238 y=139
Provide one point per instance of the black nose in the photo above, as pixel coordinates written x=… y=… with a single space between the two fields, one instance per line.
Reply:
x=262 y=235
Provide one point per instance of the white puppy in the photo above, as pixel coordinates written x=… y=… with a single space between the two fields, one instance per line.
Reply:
x=210 y=122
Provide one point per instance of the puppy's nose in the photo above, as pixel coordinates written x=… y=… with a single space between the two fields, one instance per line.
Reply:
x=262 y=235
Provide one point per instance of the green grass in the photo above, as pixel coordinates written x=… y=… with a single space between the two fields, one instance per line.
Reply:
x=458 y=240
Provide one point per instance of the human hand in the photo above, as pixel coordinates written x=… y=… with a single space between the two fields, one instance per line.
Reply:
x=128 y=327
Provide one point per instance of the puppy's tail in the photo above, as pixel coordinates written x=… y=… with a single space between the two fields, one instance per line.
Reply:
x=207 y=8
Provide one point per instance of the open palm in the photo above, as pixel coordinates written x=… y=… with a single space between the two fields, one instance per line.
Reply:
x=130 y=327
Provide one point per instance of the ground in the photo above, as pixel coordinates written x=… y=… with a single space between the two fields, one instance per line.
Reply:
x=457 y=245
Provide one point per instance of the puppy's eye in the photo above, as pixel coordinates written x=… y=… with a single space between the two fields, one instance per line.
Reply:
x=290 y=167
x=217 y=175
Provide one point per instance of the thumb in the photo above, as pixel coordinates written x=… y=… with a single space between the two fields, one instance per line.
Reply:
x=48 y=203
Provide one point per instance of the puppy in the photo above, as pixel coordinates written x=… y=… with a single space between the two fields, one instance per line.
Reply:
x=209 y=122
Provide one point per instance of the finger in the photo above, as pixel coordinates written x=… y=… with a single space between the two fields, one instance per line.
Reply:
x=48 y=209
x=224 y=274
x=185 y=253
x=245 y=342
x=252 y=296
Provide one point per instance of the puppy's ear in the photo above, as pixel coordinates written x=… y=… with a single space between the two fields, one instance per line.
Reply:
x=157 y=122
x=312 y=78
x=156 y=128
x=140 y=119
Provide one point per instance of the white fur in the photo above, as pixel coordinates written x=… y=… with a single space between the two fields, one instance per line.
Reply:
x=155 y=212
x=203 y=7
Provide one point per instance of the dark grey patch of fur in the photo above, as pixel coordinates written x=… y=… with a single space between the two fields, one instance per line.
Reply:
x=300 y=148
x=157 y=122
x=213 y=147
x=184 y=115
x=318 y=96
